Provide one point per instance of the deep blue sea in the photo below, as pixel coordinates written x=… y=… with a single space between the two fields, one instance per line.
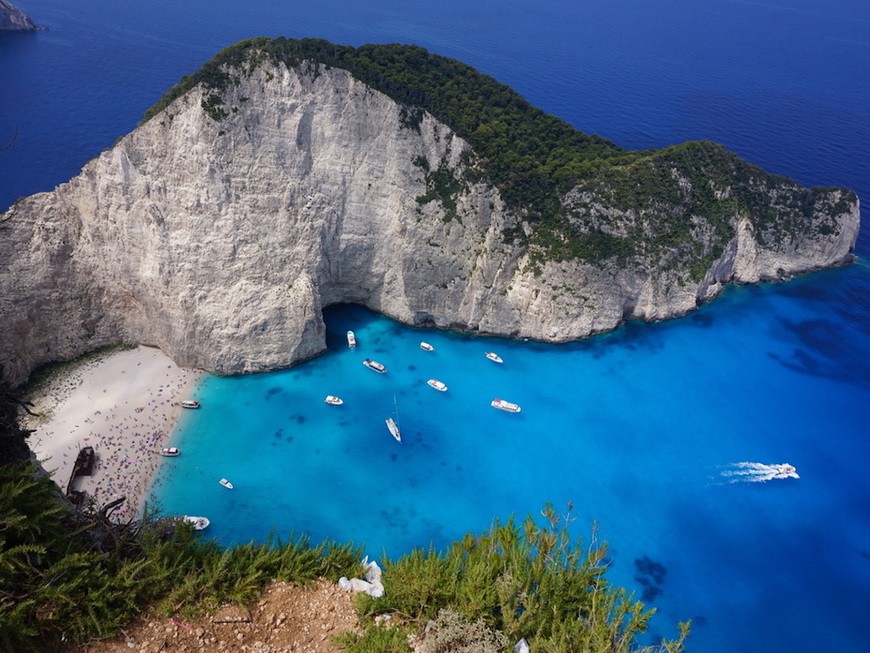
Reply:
x=643 y=429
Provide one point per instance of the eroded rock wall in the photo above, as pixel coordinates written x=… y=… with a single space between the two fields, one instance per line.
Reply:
x=221 y=241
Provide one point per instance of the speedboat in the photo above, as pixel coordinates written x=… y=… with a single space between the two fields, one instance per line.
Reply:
x=169 y=451
x=785 y=470
x=199 y=523
x=438 y=385
x=189 y=403
x=226 y=483
x=394 y=428
x=351 y=339
x=374 y=365
x=426 y=346
x=501 y=404
x=495 y=358
x=332 y=400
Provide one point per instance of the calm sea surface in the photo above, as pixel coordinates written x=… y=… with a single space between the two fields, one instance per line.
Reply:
x=642 y=430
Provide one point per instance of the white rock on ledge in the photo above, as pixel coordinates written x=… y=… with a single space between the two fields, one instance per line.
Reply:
x=371 y=585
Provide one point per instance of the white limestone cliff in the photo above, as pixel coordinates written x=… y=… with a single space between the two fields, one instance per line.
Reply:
x=221 y=241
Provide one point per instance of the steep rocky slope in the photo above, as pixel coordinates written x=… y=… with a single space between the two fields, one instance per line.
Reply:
x=219 y=229
x=12 y=19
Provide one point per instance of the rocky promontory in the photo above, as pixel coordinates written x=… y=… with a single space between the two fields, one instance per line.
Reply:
x=12 y=19
x=269 y=186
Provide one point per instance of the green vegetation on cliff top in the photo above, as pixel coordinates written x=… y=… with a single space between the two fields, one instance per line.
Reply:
x=535 y=159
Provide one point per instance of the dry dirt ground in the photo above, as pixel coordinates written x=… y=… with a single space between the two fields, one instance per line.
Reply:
x=286 y=619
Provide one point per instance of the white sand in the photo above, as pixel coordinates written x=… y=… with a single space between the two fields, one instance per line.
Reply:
x=124 y=404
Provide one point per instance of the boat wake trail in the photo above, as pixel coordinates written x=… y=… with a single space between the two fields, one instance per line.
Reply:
x=757 y=472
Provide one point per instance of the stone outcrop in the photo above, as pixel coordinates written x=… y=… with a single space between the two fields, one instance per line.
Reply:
x=221 y=241
x=12 y=19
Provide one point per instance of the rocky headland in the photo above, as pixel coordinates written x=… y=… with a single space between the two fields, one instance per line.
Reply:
x=12 y=19
x=276 y=182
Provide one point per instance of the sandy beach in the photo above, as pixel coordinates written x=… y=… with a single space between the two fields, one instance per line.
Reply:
x=124 y=404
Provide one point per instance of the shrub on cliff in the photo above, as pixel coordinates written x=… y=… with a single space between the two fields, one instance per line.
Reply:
x=74 y=576
x=13 y=438
x=517 y=581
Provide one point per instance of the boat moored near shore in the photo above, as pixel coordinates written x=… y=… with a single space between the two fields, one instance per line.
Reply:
x=426 y=346
x=199 y=523
x=169 y=451
x=438 y=385
x=189 y=403
x=351 y=339
x=495 y=358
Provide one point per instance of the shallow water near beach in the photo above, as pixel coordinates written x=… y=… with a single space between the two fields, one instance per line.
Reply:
x=644 y=429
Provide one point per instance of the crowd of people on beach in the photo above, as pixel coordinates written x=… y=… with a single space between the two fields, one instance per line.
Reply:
x=127 y=435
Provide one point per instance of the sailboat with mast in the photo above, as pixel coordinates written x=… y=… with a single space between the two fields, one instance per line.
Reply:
x=393 y=424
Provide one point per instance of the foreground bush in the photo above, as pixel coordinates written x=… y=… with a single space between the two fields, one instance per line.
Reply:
x=71 y=576
x=523 y=581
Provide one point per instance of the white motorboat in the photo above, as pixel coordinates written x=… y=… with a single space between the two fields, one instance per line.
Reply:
x=332 y=400
x=785 y=470
x=351 y=339
x=374 y=365
x=169 y=451
x=226 y=483
x=426 y=346
x=199 y=523
x=495 y=358
x=394 y=428
x=189 y=403
x=438 y=385
x=507 y=406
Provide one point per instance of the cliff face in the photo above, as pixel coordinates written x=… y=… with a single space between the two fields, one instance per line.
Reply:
x=12 y=19
x=221 y=241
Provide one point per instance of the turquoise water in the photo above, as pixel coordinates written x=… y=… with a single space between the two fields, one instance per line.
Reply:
x=639 y=429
